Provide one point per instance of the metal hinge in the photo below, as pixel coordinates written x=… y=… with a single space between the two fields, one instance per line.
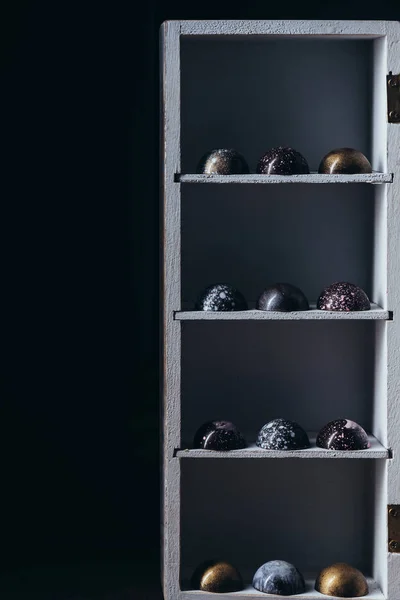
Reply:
x=393 y=97
x=394 y=527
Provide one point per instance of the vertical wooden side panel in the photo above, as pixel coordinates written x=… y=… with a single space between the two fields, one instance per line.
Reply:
x=393 y=338
x=171 y=292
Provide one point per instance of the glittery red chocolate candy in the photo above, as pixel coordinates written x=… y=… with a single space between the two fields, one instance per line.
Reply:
x=343 y=296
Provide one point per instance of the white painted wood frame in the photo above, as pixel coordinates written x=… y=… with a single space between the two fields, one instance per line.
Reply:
x=191 y=340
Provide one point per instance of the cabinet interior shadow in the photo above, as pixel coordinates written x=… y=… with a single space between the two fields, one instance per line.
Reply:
x=253 y=93
x=250 y=372
x=311 y=513
x=254 y=235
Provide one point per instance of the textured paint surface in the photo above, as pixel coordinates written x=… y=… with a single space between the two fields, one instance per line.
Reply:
x=343 y=296
x=282 y=161
x=279 y=577
x=253 y=178
x=281 y=434
x=343 y=434
x=221 y=297
x=219 y=435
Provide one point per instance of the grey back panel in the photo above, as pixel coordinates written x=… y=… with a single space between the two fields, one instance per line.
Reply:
x=311 y=513
x=251 y=372
x=253 y=94
x=252 y=236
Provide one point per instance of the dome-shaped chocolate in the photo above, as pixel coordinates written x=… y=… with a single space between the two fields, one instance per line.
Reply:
x=221 y=296
x=282 y=161
x=281 y=434
x=219 y=435
x=279 y=577
x=345 y=161
x=343 y=434
x=217 y=576
x=342 y=581
x=223 y=161
x=282 y=297
x=343 y=296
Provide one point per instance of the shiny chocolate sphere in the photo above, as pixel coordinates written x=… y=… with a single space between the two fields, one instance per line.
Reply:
x=343 y=434
x=279 y=577
x=219 y=435
x=341 y=580
x=223 y=161
x=281 y=434
x=282 y=297
x=282 y=161
x=222 y=297
x=217 y=576
x=343 y=296
x=345 y=161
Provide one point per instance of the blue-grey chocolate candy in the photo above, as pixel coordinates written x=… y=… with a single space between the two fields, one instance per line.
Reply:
x=282 y=297
x=281 y=434
x=279 y=577
x=221 y=297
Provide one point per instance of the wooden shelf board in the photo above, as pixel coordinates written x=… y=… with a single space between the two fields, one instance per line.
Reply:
x=374 y=177
x=252 y=451
x=249 y=593
x=375 y=314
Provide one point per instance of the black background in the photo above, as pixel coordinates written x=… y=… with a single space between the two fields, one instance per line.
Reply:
x=79 y=440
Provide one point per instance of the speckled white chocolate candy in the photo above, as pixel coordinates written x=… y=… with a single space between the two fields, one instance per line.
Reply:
x=281 y=434
x=221 y=297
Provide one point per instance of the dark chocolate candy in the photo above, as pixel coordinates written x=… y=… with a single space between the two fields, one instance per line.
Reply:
x=219 y=435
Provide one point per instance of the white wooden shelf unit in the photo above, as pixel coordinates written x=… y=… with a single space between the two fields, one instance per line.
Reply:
x=253 y=85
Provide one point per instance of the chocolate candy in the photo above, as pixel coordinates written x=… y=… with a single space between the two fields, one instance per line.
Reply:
x=281 y=434
x=346 y=161
x=343 y=434
x=341 y=580
x=221 y=297
x=282 y=161
x=223 y=161
x=282 y=297
x=279 y=577
x=343 y=296
x=217 y=576
x=219 y=435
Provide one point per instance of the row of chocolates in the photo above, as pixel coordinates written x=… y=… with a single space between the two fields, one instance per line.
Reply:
x=281 y=578
x=283 y=160
x=282 y=434
x=284 y=297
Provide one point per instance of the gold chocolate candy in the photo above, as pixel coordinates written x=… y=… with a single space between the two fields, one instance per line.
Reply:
x=341 y=580
x=346 y=161
x=217 y=576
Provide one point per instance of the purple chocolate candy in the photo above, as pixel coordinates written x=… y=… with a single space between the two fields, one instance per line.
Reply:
x=343 y=434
